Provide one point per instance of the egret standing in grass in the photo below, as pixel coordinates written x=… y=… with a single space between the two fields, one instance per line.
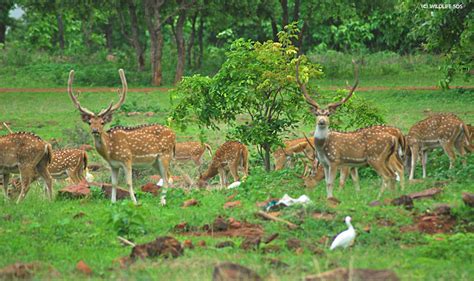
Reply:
x=345 y=238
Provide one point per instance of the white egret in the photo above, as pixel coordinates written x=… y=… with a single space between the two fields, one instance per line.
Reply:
x=345 y=238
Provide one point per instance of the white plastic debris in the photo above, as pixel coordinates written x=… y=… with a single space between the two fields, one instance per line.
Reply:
x=89 y=177
x=160 y=182
x=234 y=185
x=288 y=201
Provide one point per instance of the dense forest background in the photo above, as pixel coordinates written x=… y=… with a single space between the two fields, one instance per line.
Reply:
x=158 y=41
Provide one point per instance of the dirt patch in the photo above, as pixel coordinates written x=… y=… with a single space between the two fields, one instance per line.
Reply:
x=431 y=224
x=222 y=228
x=230 y=271
x=162 y=246
x=354 y=274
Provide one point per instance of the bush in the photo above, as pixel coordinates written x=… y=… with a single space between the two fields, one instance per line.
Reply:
x=127 y=219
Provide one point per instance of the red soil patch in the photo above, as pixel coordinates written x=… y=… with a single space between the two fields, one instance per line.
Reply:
x=222 y=228
x=431 y=224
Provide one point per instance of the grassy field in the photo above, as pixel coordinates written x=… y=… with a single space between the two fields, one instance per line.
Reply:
x=54 y=234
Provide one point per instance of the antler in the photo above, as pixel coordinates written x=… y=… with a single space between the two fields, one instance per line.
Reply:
x=123 y=93
x=335 y=105
x=74 y=98
x=303 y=89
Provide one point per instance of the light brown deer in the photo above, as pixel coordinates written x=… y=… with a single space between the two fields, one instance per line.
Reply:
x=230 y=156
x=124 y=147
x=352 y=149
x=27 y=154
x=444 y=130
x=300 y=145
x=70 y=163
x=191 y=150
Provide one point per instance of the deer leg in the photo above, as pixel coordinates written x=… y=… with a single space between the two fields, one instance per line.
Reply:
x=128 y=177
x=26 y=175
x=162 y=166
x=44 y=173
x=234 y=171
x=115 y=174
x=424 y=160
x=414 y=158
x=330 y=177
x=343 y=176
x=6 y=180
x=355 y=178
x=222 y=177
x=448 y=148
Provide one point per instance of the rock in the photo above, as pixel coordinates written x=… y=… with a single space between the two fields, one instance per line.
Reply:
x=18 y=271
x=231 y=197
x=428 y=193
x=468 y=199
x=79 y=190
x=151 y=188
x=250 y=243
x=232 y=204
x=293 y=243
x=188 y=244
x=155 y=178
x=220 y=224
x=403 y=200
x=271 y=238
x=149 y=114
x=181 y=227
x=82 y=267
x=442 y=210
x=227 y=271
x=375 y=203
x=225 y=244
x=190 y=202
x=342 y=274
x=121 y=193
x=202 y=243
x=164 y=246
x=367 y=228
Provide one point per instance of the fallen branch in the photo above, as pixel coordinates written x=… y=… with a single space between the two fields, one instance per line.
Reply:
x=273 y=218
x=125 y=241
x=8 y=128
x=428 y=193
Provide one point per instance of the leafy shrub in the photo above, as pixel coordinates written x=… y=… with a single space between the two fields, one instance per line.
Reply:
x=459 y=245
x=127 y=219
x=77 y=135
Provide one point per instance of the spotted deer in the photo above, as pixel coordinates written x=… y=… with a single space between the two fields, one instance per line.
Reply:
x=123 y=147
x=70 y=163
x=444 y=130
x=27 y=154
x=192 y=150
x=229 y=156
x=350 y=149
x=283 y=155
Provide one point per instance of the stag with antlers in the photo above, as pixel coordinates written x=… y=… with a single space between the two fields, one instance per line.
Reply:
x=124 y=147
x=27 y=154
x=439 y=130
x=352 y=149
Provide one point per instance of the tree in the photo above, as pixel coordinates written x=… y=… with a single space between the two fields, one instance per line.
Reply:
x=254 y=92
x=5 y=18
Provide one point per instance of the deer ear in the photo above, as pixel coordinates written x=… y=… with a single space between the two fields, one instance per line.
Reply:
x=107 y=118
x=86 y=118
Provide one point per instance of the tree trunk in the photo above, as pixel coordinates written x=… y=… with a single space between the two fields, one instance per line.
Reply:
x=284 y=9
x=296 y=11
x=266 y=158
x=154 y=24
x=191 y=40
x=200 y=41
x=274 y=29
x=108 y=31
x=179 y=36
x=135 y=38
x=59 y=18
x=3 y=29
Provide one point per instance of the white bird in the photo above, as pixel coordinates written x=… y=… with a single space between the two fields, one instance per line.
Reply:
x=345 y=238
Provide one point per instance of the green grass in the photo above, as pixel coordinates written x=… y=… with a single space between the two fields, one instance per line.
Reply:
x=38 y=230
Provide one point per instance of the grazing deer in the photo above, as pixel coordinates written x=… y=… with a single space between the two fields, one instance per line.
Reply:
x=124 y=147
x=70 y=163
x=352 y=149
x=301 y=145
x=191 y=150
x=27 y=154
x=229 y=156
x=443 y=130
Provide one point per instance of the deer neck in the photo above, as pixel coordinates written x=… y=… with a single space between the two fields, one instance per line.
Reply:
x=101 y=142
x=210 y=173
x=321 y=134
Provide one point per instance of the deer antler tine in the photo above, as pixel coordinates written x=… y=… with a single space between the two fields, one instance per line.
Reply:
x=123 y=92
x=74 y=98
x=303 y=89
x=335 y=105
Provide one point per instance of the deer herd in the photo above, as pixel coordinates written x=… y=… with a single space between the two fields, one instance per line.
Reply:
x=384 y=148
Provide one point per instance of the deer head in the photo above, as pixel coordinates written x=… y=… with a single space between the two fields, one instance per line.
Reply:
x=97 y=121
x=322 y=114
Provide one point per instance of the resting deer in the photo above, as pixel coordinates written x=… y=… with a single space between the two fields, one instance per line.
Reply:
x=27 y=154
x=353 y=149
x=229 y=156
x=283 y=154
x=439 y=130
x=191 y=150
x=124 y=147
x=70 y=163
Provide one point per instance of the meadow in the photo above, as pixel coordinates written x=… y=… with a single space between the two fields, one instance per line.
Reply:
x=63 y=232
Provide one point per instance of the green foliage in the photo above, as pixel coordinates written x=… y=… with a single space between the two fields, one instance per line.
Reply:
x=460 y=245
x=77 y=135
x=127 y=219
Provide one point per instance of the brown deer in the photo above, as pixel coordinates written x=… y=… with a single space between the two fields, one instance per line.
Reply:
x=352 y=149
x=191 y=150
x=229 y=156
x=301 y=145
x=444 y=130
x=27 y=154
x=124 y=147
x=70 y=163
